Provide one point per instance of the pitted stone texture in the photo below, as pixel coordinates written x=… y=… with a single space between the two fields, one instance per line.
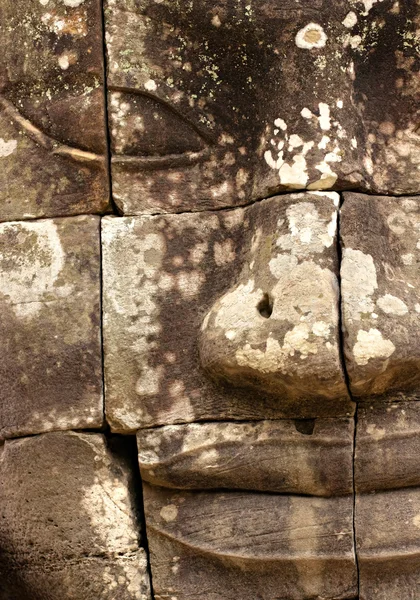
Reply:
x=221 y=103
x=387 y=446
x=244 y=545
x=388 y=544
x=185 y=292
x=380 y=293
x=312 y=457
x=50 y=355
x=68 y=526
x=52 y=117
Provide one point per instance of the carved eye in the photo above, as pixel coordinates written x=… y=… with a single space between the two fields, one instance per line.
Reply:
x=71 y=119
x=142 y=126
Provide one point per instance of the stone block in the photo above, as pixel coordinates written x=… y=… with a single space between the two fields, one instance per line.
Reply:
x=246 y=545
x=219 y=104
x=68 y=521
x=52 y=113
x=387 y=446
x=223 y=316
x=309 y=457
x=50 y=352
x=388 y=544
x=379 y=284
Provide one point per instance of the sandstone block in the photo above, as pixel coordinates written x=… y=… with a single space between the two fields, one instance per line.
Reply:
x=245 y=545
x=218 y=104
x=388 y=543
x=225 y=316
x=52 y=113
x=68 y=526
x=380 y=283
x=50 y=351
x=387 y=446
x=312 y=457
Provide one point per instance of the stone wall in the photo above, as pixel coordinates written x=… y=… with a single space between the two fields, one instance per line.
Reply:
x=209 y=300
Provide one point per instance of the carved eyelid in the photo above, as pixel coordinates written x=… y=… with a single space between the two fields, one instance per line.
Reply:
x=145 y=162
x=166 y=104
x=183 y=159
x=44 y=140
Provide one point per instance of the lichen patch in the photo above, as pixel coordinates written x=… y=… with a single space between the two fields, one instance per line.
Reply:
x=7 y=148
x=351 y=20
x=30 y=264
x=371 y=344
x=311 y=36
x=391 y=305
x=73 y=3
x=169 y=513
x=359 y=282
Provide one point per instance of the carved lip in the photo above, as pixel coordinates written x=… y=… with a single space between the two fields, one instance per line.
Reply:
x=229 y=552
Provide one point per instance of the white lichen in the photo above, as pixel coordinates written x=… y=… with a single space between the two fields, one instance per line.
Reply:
x=311 y=36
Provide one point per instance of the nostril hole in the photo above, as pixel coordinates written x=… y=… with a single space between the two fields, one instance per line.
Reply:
x=265 y=307
x=305 y=426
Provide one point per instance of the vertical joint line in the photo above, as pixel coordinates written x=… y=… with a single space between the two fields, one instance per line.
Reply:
x=101 y=322
x=145 y=542
x=354 y=504
x=347 y=382
x=106 y=110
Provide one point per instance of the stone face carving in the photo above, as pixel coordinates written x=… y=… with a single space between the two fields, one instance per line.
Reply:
x=223 y=316
x=234 y=315
x=69 y=527
x=50 y=367
x=52 y=111
x=220 y=103
x=260 y=330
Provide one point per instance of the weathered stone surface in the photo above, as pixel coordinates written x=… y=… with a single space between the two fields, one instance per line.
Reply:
x=68 y=525
x=52 y=117
x=122 y=578
x=388 y=446
x=50 y=352
x=230 y=315
x=243 y=545
x=312 y=457
x=380 y=282
x=388 y=544
x=220 y=103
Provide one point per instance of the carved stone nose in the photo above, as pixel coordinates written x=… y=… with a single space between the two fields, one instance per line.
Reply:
x=277 y=330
